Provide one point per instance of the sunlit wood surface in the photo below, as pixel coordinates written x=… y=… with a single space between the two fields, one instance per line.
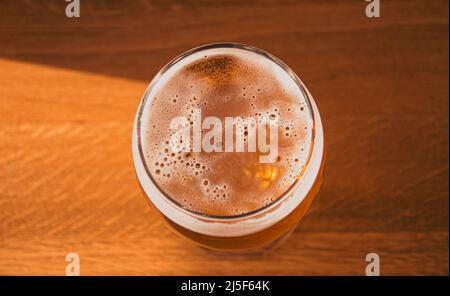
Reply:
x=69 y=89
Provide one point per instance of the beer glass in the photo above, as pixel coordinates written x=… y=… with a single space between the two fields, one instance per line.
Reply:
x=253 y=229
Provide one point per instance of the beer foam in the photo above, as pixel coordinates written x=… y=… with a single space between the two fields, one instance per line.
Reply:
x=223 y=83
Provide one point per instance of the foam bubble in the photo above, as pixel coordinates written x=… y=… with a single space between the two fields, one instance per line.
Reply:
x=223 y=84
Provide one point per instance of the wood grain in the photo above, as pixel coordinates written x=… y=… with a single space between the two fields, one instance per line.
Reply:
x=69 y=89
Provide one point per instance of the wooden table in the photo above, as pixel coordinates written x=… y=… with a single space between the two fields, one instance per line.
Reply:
x=69 y=89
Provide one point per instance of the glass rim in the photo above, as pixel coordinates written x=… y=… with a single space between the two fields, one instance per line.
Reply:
x=225 y=45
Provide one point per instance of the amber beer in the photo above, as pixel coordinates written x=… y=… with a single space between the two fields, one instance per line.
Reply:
x=228 y=146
